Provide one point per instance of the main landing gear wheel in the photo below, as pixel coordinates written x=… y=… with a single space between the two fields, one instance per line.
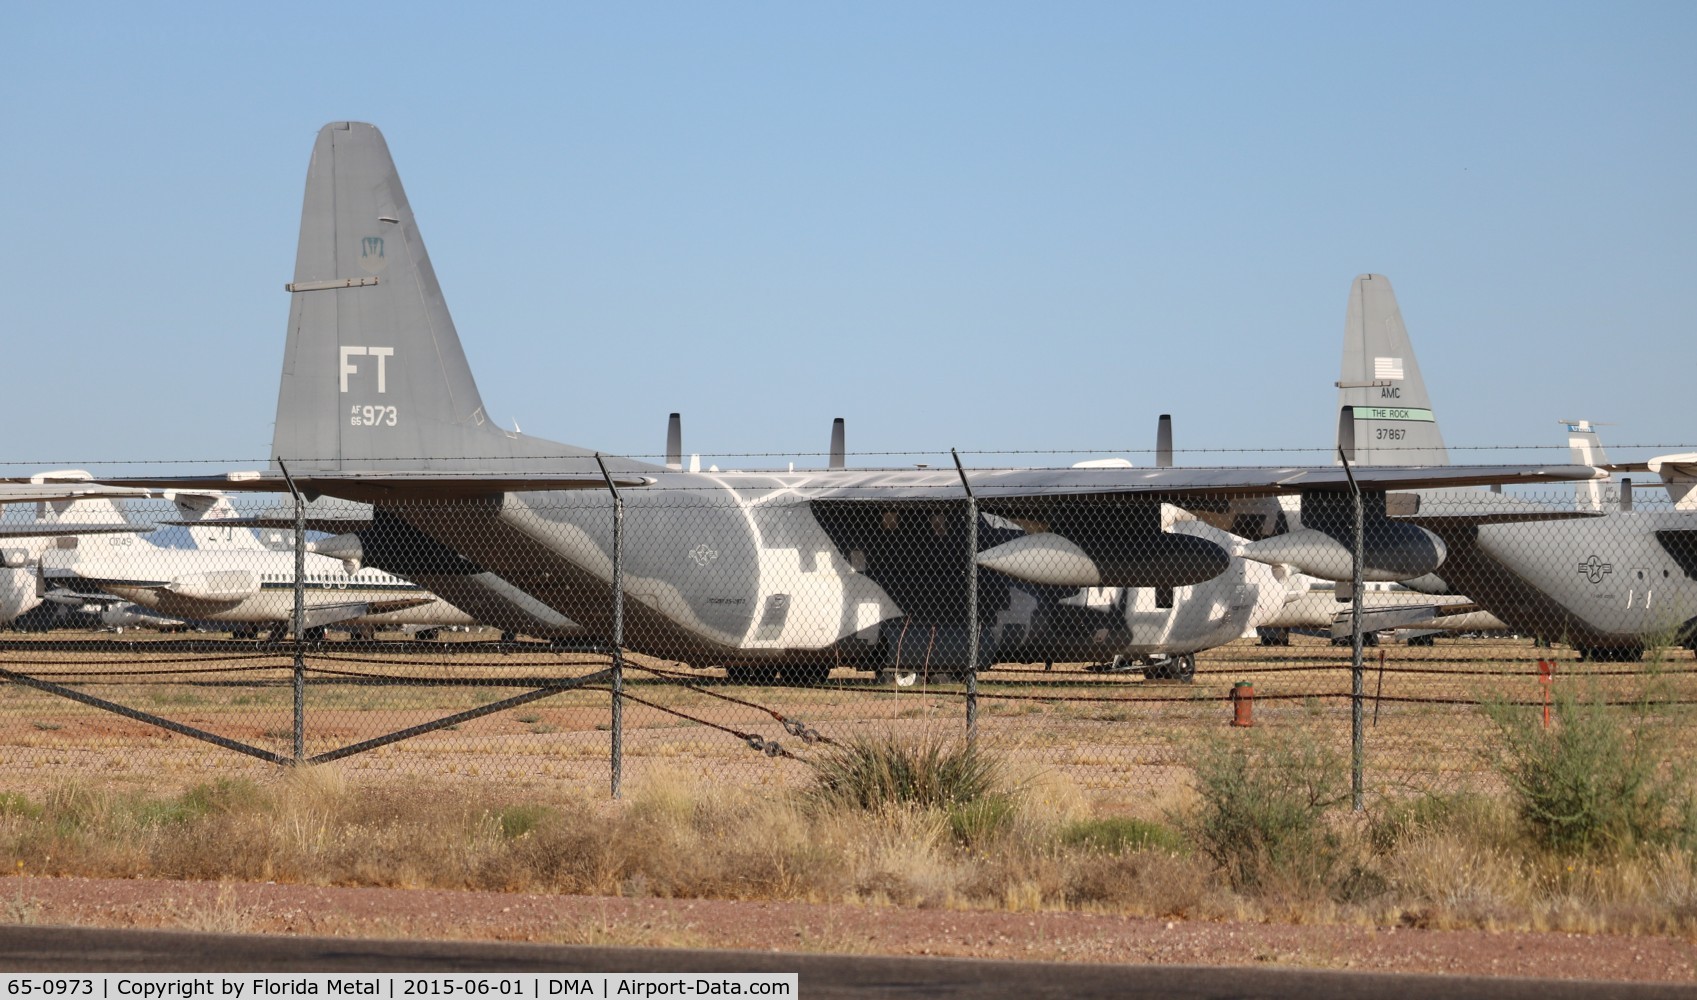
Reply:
x=1180 y=668
x=898 y=677
x=1625 y=654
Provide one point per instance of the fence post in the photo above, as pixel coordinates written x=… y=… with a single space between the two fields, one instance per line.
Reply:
x=971 y=603
x=617 y=750
x=1357 y=674
x=300 y=614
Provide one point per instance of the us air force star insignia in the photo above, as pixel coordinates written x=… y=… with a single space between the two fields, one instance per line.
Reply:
x=1595 y=569
x=702 y=554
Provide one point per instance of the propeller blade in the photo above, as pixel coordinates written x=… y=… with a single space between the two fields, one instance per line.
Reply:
x=674 y=442
x=839 y=457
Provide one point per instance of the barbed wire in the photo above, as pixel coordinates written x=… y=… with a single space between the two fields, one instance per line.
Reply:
x=720 y=454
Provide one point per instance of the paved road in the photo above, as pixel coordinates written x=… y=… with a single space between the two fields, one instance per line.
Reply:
x=79 y=949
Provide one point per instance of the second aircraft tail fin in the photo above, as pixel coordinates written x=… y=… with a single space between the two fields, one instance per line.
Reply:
x=1586 y=448
x=1385 y=414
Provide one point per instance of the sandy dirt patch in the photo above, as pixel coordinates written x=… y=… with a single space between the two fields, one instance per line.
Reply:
x=695 y=923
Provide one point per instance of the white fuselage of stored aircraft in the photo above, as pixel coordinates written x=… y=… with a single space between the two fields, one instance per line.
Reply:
x=253 y=586
x=1610 y=572
x=1208 y=614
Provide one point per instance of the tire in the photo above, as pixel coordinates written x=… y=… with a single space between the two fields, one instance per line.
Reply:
x=897 y=677
x=744 y=674
x=1180 y=668
x=808 y=674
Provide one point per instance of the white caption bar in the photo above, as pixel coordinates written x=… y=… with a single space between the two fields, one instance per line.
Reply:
x=243 y=986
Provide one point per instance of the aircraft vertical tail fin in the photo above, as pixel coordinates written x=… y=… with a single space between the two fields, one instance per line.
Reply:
x=1381 y=392
x=374 y=376
x=206 y=510
x=1587 y=449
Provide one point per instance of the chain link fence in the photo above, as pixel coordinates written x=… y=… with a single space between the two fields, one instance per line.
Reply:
x=583 y=637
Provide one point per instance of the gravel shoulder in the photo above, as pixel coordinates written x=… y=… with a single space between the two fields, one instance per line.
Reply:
x=231 y=907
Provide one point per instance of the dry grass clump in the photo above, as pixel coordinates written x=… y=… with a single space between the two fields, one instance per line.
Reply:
x=928 y=822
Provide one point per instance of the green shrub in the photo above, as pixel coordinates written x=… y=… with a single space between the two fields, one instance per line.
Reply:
x=17 y=804
x=226 y=795
x=978 y=822
x=1263 y=805
x=516 y=821
x=1475 y=818
x=1121 y=835
x=1594 y=780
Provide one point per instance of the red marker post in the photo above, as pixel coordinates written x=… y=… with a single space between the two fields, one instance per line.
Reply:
x=1546 y=677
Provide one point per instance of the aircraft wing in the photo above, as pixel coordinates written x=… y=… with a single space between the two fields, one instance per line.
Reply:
x=1403 y=616
x=331 y=525
x=24 y=491
x=50 y=530
x=77 y=598
x=390 y=486
x=896 y=486
x=319 y=615
x=1446 y=508
x=1018 y=491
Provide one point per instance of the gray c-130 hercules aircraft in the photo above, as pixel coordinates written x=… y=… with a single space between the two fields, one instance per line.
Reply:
x=754 y=571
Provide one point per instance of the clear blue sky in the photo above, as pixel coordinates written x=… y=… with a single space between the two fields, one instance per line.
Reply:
x=986 y=226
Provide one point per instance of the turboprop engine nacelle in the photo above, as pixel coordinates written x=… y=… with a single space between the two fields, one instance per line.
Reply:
x=1392 y=552
x=1160 y=560
x=346 y=547
x=224 y=586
